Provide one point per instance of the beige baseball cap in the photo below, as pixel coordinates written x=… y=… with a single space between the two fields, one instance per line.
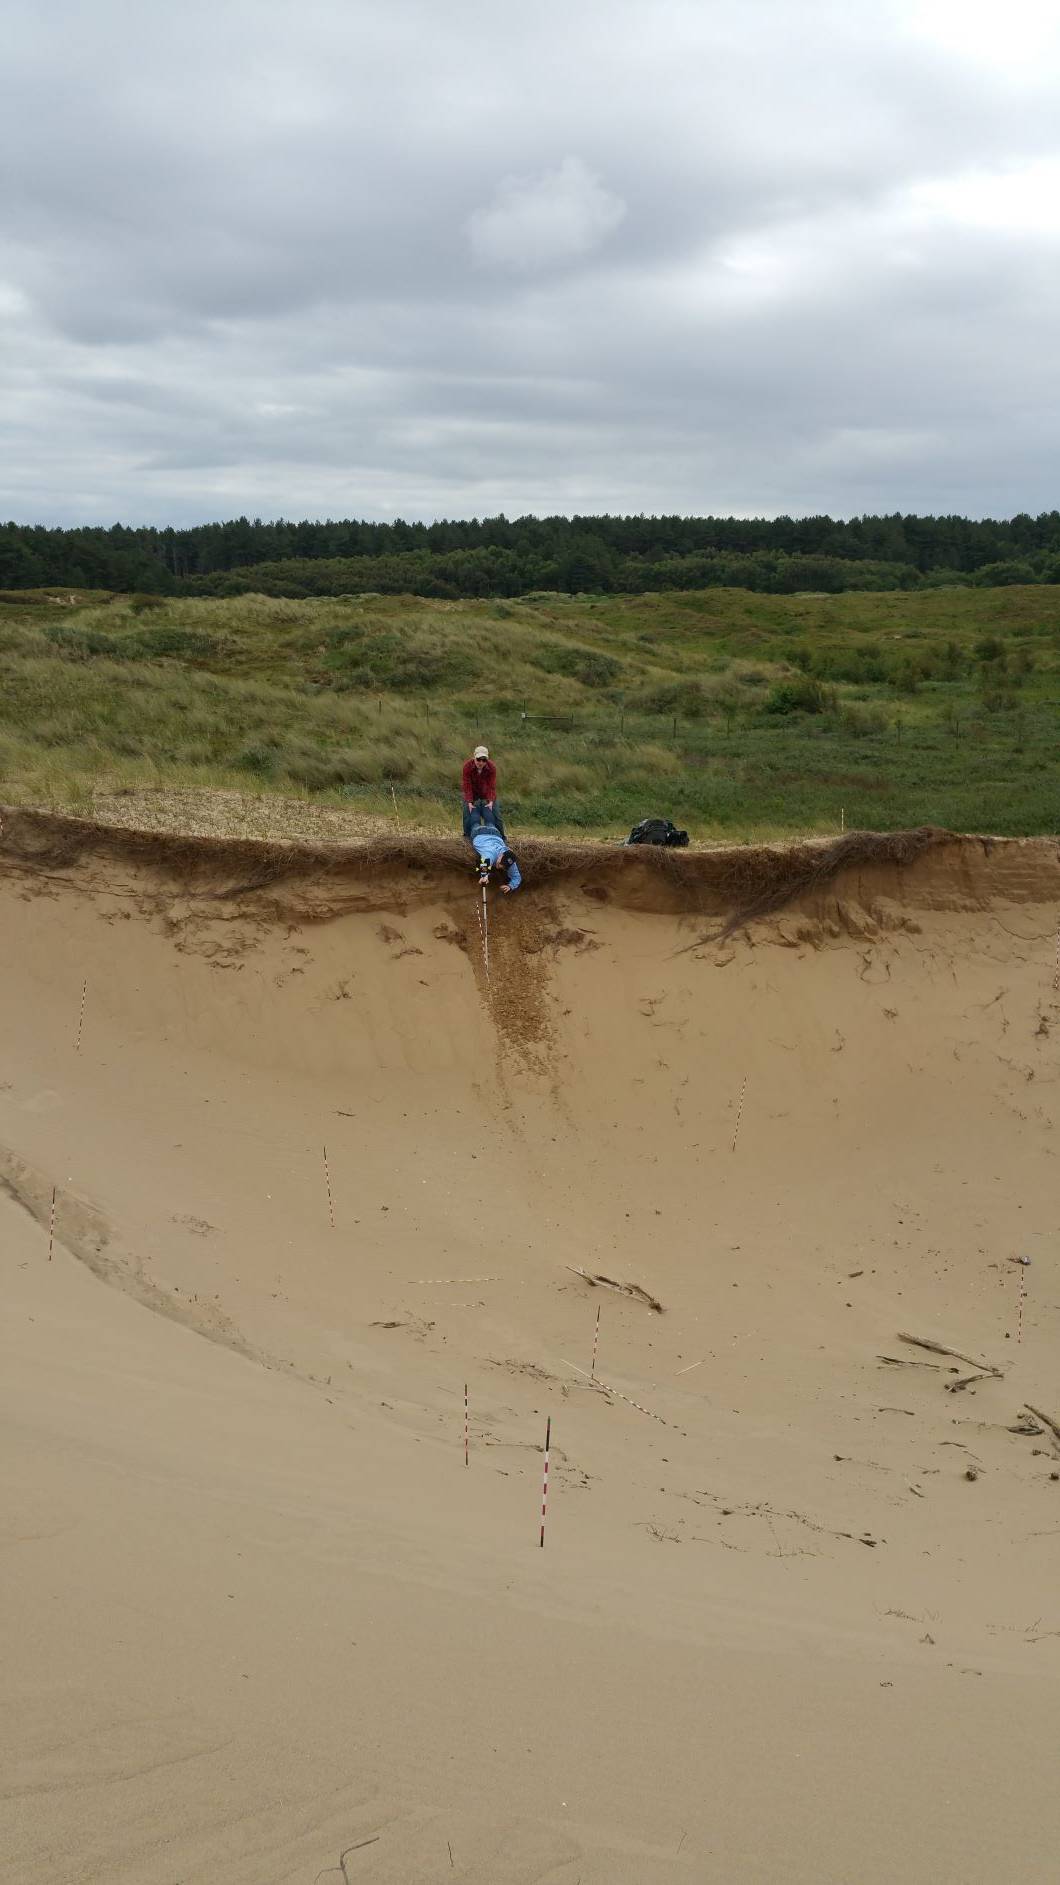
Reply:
x=481 y=752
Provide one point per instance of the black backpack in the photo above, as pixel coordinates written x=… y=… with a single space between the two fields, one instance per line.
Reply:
x=656 y=831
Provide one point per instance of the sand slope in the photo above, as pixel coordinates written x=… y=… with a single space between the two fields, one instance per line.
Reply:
x=255 y=1611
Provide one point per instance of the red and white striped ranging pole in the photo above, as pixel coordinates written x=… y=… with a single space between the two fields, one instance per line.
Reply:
x=51 y=1228
x=596 y=1339
x=453 y=1279
x=327 y=1181
x=466 y=1460
x=739 y=1114
x=544 y=1489
x=81 y=1021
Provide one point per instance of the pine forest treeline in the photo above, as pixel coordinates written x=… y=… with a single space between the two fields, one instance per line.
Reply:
x=499 y=556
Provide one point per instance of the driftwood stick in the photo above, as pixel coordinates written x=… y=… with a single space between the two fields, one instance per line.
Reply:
x=1046 y=1419
x=903 y=1361
x=593 y=1278
x=939 y=1348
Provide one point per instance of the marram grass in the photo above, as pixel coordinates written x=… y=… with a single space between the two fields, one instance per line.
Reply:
x=740 y=716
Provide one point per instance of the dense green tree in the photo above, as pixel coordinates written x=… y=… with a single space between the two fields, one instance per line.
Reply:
x=505 y=556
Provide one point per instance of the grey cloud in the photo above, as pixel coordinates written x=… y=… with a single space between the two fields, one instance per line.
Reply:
x=430 y=260
x=544 y=221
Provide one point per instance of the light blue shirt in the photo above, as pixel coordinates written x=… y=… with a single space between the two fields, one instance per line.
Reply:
x=490 y=846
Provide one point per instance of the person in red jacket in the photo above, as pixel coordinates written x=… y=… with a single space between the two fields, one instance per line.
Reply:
x=480 y=791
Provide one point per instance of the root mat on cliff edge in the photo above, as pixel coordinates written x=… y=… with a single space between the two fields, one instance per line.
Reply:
x=738 y=883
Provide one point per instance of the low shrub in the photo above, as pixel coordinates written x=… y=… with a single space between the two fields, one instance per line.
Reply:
x=862 y=722
x=797 y=696
x=80 y=644
x=168 y=642
x=586 y=665
x=143 y=644
x=262 y=760
x=689 y=699
x=359 y=659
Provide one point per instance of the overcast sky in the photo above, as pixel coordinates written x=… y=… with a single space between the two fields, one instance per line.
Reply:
x=454 y=257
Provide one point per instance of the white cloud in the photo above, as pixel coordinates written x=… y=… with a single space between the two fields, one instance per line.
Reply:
x=1021 y=200
x=541 y=222
x=1017 y=38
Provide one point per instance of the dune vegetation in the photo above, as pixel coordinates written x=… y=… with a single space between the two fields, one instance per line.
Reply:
x=736 y=714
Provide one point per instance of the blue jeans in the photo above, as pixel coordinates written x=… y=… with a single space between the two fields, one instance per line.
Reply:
x=483 y=814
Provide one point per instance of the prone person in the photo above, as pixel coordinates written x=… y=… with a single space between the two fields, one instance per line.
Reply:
x=491 y=849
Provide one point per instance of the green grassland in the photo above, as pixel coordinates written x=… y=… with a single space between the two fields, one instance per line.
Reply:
x=737 y=714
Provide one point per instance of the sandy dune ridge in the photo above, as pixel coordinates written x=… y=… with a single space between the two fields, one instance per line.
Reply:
x=798 y=1615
